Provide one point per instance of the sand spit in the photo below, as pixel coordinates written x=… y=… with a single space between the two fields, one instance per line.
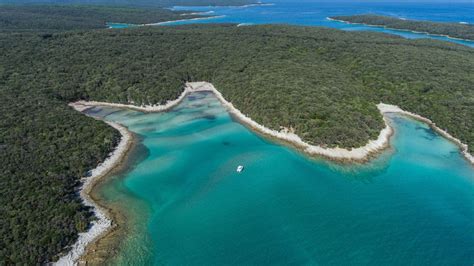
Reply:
x=81 y=105
x=163 y=23
x=412 y=31
x=182 y=20
x=102 y=223
x=256 y=4
x=198 y=13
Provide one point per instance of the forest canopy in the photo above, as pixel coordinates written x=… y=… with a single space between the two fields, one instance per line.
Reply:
x=456 y=30
x=324 y=83
x=136 y=3
x=48 y=18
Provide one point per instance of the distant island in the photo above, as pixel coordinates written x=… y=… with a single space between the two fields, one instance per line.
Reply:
x=48 y=18
x=321 y=84
x=135 y=3
x=453 y=30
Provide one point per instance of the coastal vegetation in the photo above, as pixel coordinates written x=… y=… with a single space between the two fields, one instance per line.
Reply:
x=456 y=30
x=136 y=3
x=48 y=18
x=319 y=82
x=323 y=83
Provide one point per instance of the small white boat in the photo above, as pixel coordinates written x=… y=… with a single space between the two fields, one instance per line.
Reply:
x=240 y=168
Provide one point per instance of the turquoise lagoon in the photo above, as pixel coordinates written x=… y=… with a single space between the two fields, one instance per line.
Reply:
x=120 y=25
x=187 y=205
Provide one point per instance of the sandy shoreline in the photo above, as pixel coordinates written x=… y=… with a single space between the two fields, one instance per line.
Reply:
x=168 y=21
x=388 y=28
x=360 y=154
x=81 y=105
x=182 y=20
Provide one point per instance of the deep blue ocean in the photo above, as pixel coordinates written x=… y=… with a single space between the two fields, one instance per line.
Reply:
x=315 y=13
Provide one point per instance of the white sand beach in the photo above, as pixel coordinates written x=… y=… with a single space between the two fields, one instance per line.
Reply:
x=182 y=20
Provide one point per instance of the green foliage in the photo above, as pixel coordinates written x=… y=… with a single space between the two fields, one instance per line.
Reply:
x=137 y=3
x=456 y=30
x=325 y=83
x=50 y=18
x=44 y=147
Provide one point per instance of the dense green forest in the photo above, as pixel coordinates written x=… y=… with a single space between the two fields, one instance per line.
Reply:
x=456 y=30
x=325 y=83
x=58 y=18
x=139 y=3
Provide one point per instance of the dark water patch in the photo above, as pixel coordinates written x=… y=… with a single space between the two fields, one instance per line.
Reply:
x=148 y=129
x=199 y=95
x=177 y=109
x=202 y=94
x=146 y=124
x=138 y=154
x=197 y=105
x=428 y=133
x=209 y=117
x=93 y=110
x=133 y=113
x=116 y=111
x=453 y=154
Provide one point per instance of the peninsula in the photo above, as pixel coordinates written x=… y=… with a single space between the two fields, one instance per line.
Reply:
x=452 y=30
x=50 y=19
x=323 y=85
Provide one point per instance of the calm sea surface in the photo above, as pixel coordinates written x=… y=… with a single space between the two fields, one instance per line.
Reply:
x=315 y=13
x=187 y=205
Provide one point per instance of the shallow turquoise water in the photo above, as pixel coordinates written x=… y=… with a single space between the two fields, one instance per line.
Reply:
x=120 y=25
x=413 y=205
